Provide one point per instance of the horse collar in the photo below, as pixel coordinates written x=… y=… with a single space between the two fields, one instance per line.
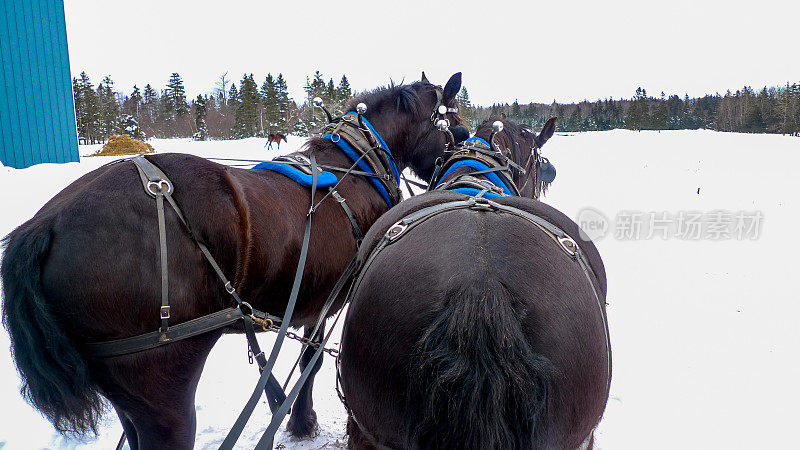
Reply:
x=368 y=151
x=475 y=153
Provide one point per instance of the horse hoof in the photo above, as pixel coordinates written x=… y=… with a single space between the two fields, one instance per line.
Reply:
x=304 y=428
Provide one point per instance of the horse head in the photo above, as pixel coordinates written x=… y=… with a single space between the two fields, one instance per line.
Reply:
x=533 y=173
x=405 y=115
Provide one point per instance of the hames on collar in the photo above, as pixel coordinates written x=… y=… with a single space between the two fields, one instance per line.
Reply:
x=388 y=189
x=357 y=146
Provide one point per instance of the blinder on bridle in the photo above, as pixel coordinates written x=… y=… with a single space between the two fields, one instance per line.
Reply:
x=545 y=171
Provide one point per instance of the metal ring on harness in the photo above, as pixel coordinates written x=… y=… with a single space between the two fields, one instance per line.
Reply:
x=248 y=306
x=335 y=138
x=157 y=187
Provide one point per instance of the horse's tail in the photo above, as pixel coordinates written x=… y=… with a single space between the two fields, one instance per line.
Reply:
x=55 y=377
x=476 y=383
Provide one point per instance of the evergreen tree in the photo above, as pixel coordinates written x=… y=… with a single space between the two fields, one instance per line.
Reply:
x=270 y=111
x=330 y=93
x=177 y=94
x=287 y=111
x=575 y=119
x=233 y=97
x=132 y=104
x=109 y=108
x=465 y=107
x=246 y=117
x=130 y=126
x=343 y=91
x=313 y=119
x=638 y=117
x=200 y=113
x=87 y=109
x=660 y=118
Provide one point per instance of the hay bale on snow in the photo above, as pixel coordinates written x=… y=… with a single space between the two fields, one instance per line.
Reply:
x=121 y=144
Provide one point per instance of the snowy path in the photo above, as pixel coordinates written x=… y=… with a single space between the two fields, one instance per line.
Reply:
x=704 y=333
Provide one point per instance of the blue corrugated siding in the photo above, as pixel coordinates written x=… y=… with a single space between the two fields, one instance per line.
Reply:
x=37 y=114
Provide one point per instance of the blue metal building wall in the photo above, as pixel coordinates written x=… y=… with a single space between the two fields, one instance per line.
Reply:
x=37 y=114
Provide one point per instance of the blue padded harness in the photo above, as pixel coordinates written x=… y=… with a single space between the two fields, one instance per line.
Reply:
x=478 y=139
x=328 y=179
x=477 y=165
x=324 y=179
x=353 y=155
x=473 y=192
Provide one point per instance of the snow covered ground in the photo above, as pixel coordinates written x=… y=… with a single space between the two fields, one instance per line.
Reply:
x=704 y=331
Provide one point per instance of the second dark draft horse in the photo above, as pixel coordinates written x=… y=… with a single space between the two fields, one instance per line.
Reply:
x=86 y=268
x=474 y=328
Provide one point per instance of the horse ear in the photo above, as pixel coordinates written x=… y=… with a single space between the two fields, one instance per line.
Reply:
x=452 y=87
x=424 y=78
x=547 y=131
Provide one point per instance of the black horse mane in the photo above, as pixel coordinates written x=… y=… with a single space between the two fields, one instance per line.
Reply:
x=403 y=97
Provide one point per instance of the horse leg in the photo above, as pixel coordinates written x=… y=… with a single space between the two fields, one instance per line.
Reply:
x=355 y=438
x=130 y=431
x=303 y=422
x=154 y=392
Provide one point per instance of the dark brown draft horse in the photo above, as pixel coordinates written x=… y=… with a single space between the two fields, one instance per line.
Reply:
x=86 y=268
x=474 y=328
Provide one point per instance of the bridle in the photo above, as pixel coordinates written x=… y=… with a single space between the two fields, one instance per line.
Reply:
x=533 y=165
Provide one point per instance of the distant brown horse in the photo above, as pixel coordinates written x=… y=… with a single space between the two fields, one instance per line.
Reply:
x=85 y=268
x=473 y=326
x=275 y=137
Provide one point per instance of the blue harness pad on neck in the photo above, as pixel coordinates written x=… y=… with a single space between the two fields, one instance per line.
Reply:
x=324 y=179
x=353 y=155
x=477 y=165
x=473 y=192
x=476 y=138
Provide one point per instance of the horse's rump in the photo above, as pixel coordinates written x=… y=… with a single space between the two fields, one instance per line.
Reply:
x=474 y=330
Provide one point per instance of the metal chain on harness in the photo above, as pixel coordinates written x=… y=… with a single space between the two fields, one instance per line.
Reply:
x=269 y=325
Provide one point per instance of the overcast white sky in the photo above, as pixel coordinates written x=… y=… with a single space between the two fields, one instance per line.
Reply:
x=526 y=50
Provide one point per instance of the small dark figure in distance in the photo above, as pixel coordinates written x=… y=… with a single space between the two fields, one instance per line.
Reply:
x=275 y=137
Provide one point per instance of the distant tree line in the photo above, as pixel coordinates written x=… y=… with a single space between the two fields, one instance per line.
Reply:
x=770 y=110
x=235 y=111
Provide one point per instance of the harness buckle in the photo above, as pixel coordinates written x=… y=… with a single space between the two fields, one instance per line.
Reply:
x=165 y=312
x=337 y=196
x=569 y=245
x=395 y=231
x=481 y=204
x=229 y=287
x=246 y=305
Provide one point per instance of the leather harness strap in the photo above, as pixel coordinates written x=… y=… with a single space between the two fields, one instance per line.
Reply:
x=302 y=163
